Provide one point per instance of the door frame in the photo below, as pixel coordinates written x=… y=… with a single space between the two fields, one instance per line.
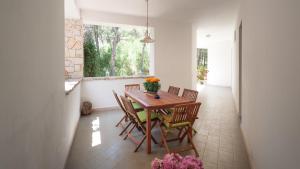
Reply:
x=240 y=68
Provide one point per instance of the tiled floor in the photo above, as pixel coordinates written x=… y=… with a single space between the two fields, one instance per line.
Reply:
x=219 y=140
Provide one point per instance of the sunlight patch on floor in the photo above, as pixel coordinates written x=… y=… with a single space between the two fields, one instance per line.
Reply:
x=96 y=135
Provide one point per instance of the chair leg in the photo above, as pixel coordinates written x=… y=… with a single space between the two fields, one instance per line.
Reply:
x=125 y=129
x=161 y=142
x=180 y=132
x=195 y=131
x=153 y=139
x=183 y=136
x=153 y=125
x=192 y=143
x=139 y=145
x=185 y=133
x=144 y=131
x=163 y=137
x=129 y=132
x=117 y=125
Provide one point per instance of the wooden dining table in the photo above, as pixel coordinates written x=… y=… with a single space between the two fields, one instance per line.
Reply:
x=150 y=103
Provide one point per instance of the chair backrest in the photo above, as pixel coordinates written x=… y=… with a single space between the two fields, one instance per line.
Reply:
x=194 y=111
x=119 y=102
x=185 y=113
x=129 y=108
x=132 y=87
x=173 y=90
x=190 y=94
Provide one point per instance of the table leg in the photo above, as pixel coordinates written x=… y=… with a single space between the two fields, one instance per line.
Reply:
x=148 y=132
x=190 y=132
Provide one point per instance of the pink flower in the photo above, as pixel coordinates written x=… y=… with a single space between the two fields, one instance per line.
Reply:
x=171 y=161
x=156 y=163
x=175 y=161
x=191 y=162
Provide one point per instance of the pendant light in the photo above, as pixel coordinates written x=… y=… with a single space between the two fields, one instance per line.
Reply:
x=147 y=38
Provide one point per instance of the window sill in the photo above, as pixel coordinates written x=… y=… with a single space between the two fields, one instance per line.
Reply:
x=116 y=77
x=70 y=85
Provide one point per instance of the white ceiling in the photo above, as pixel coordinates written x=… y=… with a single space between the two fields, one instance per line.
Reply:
x=211 y=16
x=71 y=10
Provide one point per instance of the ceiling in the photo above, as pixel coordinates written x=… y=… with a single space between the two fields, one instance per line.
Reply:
x=211 y=16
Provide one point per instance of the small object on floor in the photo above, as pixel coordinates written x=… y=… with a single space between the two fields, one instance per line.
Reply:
x=86 y=108
x=157 y=96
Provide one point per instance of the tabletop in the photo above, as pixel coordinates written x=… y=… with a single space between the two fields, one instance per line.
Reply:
x=148 y=101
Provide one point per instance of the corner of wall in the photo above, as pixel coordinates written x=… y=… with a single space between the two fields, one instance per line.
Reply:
x=194 y=58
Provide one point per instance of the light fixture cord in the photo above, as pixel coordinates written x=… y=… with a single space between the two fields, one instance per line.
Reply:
x=147 y=18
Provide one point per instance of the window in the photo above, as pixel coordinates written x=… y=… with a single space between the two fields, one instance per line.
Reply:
x=202 y=58
x=202 y=64
x=115 y=51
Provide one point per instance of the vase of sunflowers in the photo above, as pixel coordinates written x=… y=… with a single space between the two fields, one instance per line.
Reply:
x=152 y=85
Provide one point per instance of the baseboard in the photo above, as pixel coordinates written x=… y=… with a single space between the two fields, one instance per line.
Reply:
x=103 y=109
x=236 y=108
x=73 y=137
x=248 y=147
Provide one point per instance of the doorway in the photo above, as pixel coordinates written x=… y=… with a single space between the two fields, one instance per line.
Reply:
x=240 y=68
x=202 y=65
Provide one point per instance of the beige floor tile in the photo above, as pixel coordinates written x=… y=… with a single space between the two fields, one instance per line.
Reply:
x=208 y=165
x=219 y=140
x=210 y=156
x=225 y=158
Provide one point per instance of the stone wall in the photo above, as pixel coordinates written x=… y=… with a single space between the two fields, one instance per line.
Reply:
x=73 y=48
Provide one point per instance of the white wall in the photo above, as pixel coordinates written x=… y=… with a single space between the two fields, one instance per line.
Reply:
x=70 y=117
x=32 y=119
x=173 y=54
x=172 y=62
x=219 y=61
x=271 y=82
x=235 y=65
x=99 y=92
x=71 y=10
x=194 y=70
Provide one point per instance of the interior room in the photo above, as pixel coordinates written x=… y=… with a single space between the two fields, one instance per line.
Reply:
x=172 y=84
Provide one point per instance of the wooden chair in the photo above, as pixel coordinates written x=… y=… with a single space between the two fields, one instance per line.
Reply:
x=138 y=120
x=182 y=118
x=132 y=87
x=187 y=93
x=174 y=90
x=129 y=87
x=190 y=94
x=195 y=117
x=171 y=90
x=125 y=117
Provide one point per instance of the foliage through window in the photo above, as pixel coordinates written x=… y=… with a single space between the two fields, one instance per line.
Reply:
x=202 y=64
x=202 y=58
x=115 y=51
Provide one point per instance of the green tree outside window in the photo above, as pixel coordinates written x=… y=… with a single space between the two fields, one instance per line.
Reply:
x=114 y=51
